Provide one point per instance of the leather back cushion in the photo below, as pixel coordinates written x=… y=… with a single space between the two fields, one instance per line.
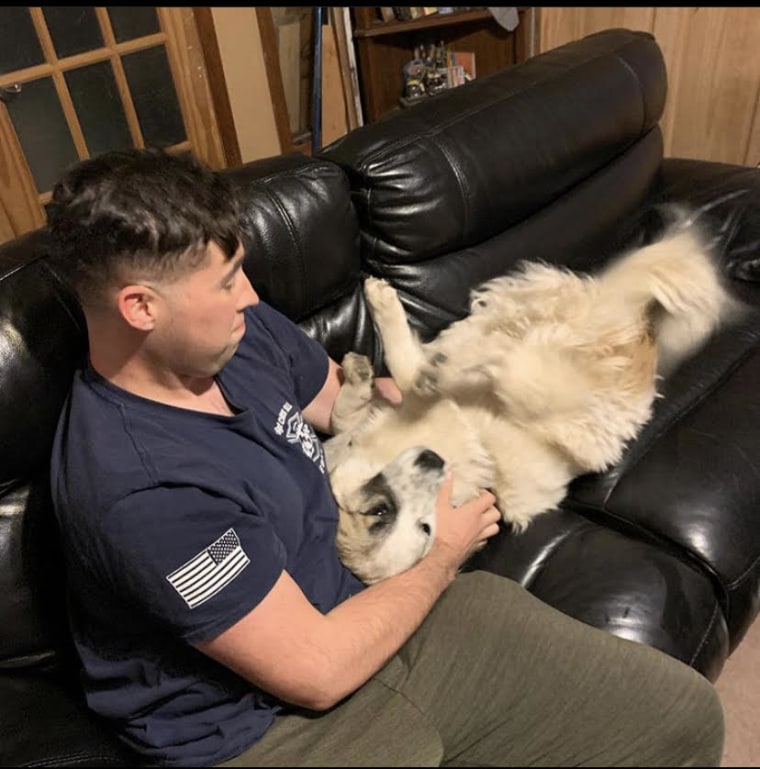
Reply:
x=41 y=342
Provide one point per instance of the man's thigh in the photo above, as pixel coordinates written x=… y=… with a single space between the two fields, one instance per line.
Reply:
x=495 y=677
x=376 y=726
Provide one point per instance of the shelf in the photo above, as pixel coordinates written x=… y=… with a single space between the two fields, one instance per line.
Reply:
x=384 y=48
x=425 y=22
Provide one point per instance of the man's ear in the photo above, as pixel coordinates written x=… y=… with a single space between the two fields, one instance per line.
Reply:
x=138 y=305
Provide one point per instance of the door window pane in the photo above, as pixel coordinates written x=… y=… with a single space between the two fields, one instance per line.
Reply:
x=99 y=108
x=152 y=88
x=19 y=46
x=42 y=130
x=129 y=22
x=74 y=29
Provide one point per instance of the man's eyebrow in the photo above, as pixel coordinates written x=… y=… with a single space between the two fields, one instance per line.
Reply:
x=236 y=265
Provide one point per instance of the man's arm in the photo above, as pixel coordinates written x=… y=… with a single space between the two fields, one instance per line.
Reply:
x=318 y=412
x=288 y=648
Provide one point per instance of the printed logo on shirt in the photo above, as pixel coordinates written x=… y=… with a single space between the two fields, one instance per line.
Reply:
x=295 y=430
x=212 y=569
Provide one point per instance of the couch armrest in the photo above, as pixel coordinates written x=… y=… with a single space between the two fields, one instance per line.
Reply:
x=41 y=724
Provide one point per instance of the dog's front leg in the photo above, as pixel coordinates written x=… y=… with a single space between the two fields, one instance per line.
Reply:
x=403 y=352
x=355 y=396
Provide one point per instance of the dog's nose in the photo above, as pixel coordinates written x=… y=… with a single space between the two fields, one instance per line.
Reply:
x=429 y=460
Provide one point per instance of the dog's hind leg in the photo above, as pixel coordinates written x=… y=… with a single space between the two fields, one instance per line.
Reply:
x=404 y=354
x=355 y=396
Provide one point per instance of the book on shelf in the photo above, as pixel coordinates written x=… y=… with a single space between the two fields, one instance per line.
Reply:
x=463 y=59
x=386 y=13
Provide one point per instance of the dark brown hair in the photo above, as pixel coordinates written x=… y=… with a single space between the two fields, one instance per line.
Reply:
x=138 y=212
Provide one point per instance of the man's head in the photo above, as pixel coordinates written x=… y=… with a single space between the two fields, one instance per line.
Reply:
x=137 y=213
x=150 y=243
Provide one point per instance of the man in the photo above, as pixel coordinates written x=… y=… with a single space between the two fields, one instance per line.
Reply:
x=212 y=616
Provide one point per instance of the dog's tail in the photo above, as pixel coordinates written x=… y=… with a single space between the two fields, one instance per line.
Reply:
x=677 y=282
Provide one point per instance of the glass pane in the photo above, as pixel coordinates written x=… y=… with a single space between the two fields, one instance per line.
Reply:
x=74 y=29
x=150 y=82
x=99 y=108
x=38 y=119
x=129 y=22
x=19 y=46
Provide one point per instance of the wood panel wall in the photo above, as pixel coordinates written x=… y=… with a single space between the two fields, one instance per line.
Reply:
x=713 y=61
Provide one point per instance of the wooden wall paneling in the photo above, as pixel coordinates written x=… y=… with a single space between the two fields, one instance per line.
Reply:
x=6 y=228
x=752 y=157
x=562 y=25
x=713 y=60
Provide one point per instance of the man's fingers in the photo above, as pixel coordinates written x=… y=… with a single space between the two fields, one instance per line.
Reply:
x=486 y=500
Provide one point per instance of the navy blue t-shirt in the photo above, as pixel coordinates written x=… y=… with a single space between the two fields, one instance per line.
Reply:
x=177 y=523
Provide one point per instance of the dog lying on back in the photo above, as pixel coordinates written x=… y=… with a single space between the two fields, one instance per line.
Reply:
x=550 y=376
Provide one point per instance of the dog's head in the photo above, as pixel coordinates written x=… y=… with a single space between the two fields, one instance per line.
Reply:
x=387 y=514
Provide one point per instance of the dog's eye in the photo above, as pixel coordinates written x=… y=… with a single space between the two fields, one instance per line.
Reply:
x=378 y=510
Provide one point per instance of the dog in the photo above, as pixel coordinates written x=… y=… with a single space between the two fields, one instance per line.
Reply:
x=549 y=376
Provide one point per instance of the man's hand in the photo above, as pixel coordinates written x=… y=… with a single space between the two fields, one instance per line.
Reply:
x=463 y=530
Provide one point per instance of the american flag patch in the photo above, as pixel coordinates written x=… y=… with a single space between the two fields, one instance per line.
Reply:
x=209 y=571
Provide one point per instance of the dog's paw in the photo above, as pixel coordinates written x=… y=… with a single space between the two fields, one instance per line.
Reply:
x=430 y=377
x=357 y=368
x=380 y=294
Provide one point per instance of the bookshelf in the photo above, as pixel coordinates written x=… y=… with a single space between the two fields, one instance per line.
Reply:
x=384 y=47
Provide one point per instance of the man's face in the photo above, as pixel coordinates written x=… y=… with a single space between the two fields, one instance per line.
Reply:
x=201 y=321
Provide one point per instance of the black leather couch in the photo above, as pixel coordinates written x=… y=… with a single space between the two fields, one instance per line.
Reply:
x=559 y=159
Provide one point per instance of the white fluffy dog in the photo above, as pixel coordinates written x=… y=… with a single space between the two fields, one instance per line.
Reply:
x=550 y=376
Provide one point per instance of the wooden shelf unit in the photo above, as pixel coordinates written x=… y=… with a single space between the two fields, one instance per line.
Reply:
x=384 y=47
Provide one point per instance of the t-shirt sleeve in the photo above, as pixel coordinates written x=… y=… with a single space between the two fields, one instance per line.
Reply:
x=306 y=357
x=194 y=562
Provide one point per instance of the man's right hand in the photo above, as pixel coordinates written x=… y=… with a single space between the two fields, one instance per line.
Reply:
x=463 y=530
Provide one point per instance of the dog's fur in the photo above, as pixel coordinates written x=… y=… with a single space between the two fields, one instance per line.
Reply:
x=550 y=376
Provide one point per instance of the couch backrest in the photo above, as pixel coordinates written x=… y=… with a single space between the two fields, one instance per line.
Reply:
x=42 y=341
x=539 y=161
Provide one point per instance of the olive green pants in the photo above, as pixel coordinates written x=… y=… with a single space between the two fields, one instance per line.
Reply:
x=495 y=677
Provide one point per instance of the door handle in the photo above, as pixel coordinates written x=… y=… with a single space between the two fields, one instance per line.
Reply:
x=8 y=92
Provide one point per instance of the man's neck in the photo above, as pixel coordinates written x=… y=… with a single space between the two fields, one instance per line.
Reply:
x=136 y=377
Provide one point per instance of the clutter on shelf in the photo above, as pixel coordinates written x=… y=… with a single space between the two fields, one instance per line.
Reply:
x=435 y=68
